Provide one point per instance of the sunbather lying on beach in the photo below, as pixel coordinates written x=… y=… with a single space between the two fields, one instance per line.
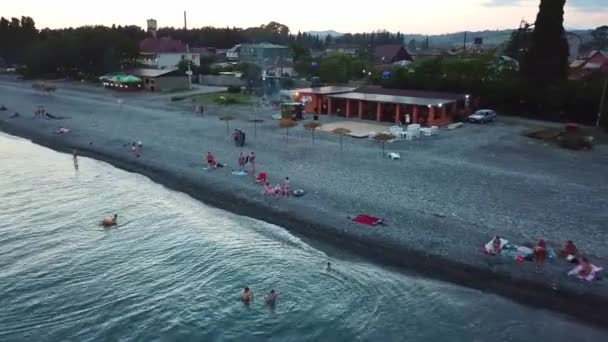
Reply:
x=585 y=270
x=271 y=190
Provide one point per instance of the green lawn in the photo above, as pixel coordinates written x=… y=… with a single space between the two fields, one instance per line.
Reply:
x=224 y=98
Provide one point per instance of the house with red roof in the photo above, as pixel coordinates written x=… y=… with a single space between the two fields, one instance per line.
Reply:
x=165 y=53
x=592 y=62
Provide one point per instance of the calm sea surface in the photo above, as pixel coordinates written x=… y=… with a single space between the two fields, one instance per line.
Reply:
x=173 y=270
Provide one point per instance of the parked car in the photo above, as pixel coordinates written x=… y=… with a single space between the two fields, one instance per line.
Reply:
x=483 y=116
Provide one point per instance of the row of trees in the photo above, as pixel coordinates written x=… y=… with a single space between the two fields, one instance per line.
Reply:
x=540 y=88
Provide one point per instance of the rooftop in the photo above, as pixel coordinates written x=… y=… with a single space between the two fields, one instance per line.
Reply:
x=410 y=93
x=151 y=72
x=161 y=45
x=406 y=100
x=326 y=90
x=265 y=46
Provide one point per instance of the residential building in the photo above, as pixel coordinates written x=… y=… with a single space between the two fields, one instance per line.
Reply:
x=594 y=61
x=280 y=67
x=162 y=80
x=165 y=53
x=343 y=49
x=389 y=54
x=233 y=53
x=204 y=51
x=386 y=105
x=262 y=52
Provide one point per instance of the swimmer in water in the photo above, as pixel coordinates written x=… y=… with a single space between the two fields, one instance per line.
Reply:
x=246 y=295
x=271 y=298
x=328 y=266
x=75 y=159
x=110 y=221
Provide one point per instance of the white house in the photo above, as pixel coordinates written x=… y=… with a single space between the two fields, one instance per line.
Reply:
x=233 y=53
x=165 y=53
x=167 y=60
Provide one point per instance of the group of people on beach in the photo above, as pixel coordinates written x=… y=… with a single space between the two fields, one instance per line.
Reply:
x=540 y=252
x=244 y=159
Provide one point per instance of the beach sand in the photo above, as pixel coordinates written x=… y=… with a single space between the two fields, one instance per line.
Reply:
x=447 y=196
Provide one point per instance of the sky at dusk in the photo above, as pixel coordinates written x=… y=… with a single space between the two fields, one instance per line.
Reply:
x=407 y=16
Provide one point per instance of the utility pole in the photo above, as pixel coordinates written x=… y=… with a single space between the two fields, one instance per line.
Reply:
x=189 y=72
x=464 y=44
x=602 y=102
x=189 y=57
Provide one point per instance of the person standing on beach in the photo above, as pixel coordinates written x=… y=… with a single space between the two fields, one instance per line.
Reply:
x=75 y=159
x=241 y=162
x=252 y=162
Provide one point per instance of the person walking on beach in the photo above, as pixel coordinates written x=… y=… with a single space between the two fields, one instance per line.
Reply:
x=75 y=159
x=285 y=188
x=252 y=162
x=241 y=162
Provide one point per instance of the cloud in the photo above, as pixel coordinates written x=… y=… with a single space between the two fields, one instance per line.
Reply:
x=503 y=3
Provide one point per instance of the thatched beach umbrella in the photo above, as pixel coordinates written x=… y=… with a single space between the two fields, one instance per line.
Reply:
x=341 y=132
x=227 y=118
x=312 y=126
x=287 y=124
x=383 y=138
x=255 y=126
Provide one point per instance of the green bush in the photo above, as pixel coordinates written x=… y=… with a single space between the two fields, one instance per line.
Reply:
x=225 y=100
x=234 y=89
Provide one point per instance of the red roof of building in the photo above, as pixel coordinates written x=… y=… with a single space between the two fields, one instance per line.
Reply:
x=161 y=45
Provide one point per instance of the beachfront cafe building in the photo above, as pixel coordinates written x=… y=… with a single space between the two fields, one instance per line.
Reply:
x=386 y=105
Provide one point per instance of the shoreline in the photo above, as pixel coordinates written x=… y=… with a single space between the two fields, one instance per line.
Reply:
x=584 y=307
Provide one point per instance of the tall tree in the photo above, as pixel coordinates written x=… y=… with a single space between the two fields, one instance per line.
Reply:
x=600 y=37
x=547 y=59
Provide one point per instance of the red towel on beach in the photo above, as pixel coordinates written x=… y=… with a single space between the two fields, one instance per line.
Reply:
x=367 y=220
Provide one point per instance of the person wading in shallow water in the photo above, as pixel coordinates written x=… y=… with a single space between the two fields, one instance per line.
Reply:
x=271 y=298
x=75 y=159
x=252 y=162
x=246 y=296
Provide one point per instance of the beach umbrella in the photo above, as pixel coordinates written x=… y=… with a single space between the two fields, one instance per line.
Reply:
x=227 y=118
x=287 y=124
x=341 y=132
x=255 y=126
x=312 y=126
x=383 y=138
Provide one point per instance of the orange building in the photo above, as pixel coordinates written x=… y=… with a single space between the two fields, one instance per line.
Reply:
x=386 y=105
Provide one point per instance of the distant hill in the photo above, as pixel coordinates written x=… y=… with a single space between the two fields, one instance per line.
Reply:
x=490 y=37
x=324 y=34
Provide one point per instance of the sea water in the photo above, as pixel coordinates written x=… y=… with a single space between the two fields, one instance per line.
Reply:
x=173 y=268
